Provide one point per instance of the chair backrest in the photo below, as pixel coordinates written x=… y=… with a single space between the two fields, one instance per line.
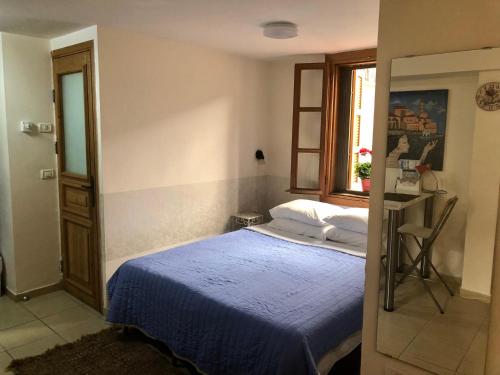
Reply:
x=445 y=214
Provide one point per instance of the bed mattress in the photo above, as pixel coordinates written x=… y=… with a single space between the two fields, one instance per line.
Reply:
x=244 y=302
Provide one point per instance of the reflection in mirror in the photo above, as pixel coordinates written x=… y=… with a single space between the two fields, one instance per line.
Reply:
x=436 y=266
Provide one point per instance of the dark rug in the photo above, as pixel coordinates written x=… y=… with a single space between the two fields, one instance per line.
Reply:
x=107 y=352
x=115 y=353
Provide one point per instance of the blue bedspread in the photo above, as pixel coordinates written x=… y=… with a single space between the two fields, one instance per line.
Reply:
x=243 y=302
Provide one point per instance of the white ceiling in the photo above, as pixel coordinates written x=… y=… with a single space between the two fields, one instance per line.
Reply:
x=231 y=25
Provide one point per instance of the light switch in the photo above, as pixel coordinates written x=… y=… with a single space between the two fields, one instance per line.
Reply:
x=46 y=174
x=45 y=127
x=27 y=127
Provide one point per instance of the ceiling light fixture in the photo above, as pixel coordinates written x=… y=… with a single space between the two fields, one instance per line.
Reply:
x=280 y=30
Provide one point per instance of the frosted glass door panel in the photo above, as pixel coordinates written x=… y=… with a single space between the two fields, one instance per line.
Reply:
x=73 y=104
x=309 y=129
x=308 y=171
x=311 y=88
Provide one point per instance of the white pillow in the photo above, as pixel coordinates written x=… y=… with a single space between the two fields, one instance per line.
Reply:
x=347 y=237
x=305 y=211
x=350 y=218
x=296 y=227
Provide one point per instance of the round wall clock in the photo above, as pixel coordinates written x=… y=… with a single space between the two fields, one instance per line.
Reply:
x=488 y=96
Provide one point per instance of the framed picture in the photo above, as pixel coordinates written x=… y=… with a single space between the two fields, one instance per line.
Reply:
x=417 y=128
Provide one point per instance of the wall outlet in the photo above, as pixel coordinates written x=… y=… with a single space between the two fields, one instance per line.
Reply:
x=45 y=127
x=27 y=127
x=46 y=174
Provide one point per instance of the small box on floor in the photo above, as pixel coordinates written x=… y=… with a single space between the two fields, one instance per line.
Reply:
x=246 y=219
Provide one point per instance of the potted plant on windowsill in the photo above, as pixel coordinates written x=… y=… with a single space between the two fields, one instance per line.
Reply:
x=363 y=170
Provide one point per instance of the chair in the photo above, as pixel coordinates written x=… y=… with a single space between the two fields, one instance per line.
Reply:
x=429 y=235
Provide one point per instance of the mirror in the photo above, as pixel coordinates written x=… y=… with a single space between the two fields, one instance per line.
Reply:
x=440 y=207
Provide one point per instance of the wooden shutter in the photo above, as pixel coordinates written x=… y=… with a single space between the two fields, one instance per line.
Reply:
x=310 y=101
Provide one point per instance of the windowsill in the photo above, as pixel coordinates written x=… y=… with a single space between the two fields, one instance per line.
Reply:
x=352 y=199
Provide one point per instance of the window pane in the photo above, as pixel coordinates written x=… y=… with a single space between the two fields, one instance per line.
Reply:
x=311 y=88
x=309 y=129
x=308 y=171
x=73 y=104
x=361 y=134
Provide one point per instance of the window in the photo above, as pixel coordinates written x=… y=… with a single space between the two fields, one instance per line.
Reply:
x=332 y=121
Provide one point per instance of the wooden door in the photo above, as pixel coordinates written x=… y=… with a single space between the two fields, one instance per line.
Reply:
x=76 y=148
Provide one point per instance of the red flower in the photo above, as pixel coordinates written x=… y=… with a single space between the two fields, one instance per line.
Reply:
x=422 y=168
x=364 y=151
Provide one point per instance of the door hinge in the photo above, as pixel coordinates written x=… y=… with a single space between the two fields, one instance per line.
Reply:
x=56 y=148
x=61 y=265
x=53 y=95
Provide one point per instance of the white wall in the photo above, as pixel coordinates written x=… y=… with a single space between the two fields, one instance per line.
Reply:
x=6 y=229
x=442 y=30
x=35 y=228
x=188 y=114
x=180 y=125
x=279 y=128
x=281 y=110
x=483 y=197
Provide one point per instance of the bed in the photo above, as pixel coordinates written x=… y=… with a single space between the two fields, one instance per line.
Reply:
x=254 y=301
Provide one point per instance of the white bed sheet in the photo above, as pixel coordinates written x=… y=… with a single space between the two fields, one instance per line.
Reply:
x=303 y=240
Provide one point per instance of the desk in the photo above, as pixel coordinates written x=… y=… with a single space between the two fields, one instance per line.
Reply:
x=396 y=204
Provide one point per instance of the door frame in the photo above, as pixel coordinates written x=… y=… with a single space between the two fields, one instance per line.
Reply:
x=92 y=152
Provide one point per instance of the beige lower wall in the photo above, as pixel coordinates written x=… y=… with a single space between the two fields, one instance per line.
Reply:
x=142 y=220
x=145 y=221
x=447 y=25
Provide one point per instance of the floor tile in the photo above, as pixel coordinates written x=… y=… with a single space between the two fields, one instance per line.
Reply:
x=411 y=317
x=23 y=334
x=474 y=361
x=37 y=347
x=394 y=346
x=458 y=305
x=427 y=349
x=87 y=327
x=398 y=328
x=13 y=314
x=4 y=362
x=72 y=323
x=49 y=304
x=449 y=343
x=452 y=330
x=428 y=366
x=412 y=292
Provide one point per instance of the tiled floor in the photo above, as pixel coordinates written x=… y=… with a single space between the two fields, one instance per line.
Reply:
x=453 y=343
x=30 y=328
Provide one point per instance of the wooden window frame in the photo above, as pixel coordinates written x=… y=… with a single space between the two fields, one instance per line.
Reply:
x=335 y=62
x=297 y=109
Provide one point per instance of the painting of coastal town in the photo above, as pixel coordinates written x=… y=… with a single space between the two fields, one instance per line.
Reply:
x=417 y=127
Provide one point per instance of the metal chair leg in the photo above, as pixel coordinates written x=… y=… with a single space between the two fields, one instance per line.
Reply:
x=440 y=278
x=413 y=268
x=413 y=265
x=430 y=292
